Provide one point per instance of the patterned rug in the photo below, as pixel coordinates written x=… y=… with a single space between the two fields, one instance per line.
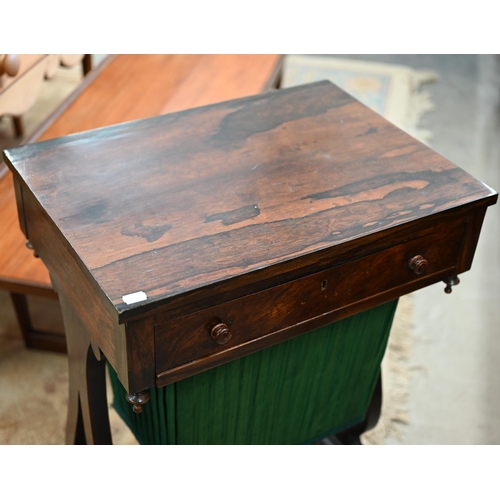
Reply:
x=34 y=385
x=391 y=90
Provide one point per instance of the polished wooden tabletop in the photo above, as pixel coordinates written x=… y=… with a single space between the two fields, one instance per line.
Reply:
x=183 y=201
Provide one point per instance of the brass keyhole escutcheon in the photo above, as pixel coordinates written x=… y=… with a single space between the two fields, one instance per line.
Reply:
x=418 y=264
x=221 y=333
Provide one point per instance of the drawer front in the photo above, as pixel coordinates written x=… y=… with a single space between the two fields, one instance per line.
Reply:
x=195 y=336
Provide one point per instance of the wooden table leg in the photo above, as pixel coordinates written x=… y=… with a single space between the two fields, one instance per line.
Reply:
x=87 y=64
x=88 y=417
x=22 y=313
x=35 y=338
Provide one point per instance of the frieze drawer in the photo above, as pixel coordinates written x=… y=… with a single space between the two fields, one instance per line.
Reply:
x=226 y=326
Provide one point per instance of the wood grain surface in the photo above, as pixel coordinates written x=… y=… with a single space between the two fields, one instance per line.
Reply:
x=186 y=338
x=127 y=87
x=182 y=201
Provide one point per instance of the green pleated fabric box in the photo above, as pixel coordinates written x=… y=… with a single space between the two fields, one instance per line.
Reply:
x=298 y=391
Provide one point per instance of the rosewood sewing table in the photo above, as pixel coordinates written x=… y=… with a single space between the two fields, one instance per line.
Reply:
x=183 y=242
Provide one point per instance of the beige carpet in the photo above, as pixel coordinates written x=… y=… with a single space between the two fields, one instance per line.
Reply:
x=34 y=385
x=34 y=388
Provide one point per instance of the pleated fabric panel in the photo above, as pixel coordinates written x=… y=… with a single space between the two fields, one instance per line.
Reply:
x=295 y=392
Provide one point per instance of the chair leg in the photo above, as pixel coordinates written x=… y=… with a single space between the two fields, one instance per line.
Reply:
x=18 y=126
x=87 y=64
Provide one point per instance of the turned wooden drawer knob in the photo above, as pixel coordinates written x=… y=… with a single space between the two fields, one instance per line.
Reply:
x=221 y=333
x=418 y=264
x=9 y=63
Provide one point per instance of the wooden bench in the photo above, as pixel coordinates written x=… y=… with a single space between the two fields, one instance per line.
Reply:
x=123 y=88
x=21 y=77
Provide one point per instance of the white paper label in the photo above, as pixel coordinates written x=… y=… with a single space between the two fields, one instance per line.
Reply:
x=132 y=298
